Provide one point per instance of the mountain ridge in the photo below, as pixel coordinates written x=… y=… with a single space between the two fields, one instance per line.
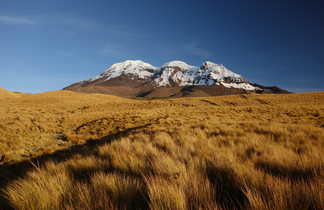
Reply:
x=136 y=78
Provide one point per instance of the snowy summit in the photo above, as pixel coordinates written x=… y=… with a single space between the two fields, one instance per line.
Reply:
x=180 y=64
x=136 y=68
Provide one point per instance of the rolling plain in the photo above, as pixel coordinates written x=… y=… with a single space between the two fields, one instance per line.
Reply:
x=68 y=150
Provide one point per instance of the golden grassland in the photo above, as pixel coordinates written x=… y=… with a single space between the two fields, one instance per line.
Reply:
x=66 y=150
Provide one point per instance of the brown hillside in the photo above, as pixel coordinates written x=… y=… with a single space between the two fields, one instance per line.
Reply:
x=5 y=94
x=128 y=88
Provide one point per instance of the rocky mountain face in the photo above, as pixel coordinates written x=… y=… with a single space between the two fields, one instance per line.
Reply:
x=135 y=78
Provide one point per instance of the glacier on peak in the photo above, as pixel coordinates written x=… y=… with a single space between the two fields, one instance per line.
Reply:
x=220 y=72
x=135 y=68
x=182 y=65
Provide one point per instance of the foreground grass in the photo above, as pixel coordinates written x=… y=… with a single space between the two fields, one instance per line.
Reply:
x=231 y=152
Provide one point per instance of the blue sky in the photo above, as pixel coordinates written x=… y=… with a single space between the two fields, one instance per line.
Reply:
x=46 y=45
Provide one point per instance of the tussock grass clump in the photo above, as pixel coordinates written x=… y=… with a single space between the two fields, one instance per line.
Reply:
x=123 y=192
x=40 y=189
x=162 y=197
x=278 y=194
x=200 y=193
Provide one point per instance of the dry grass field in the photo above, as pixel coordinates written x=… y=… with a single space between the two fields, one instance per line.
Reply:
x=66 y=150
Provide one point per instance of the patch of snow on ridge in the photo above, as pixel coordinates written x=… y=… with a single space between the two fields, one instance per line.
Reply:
x=94 y=78
x=170 y=74
x=245 y=86
x=163 y=79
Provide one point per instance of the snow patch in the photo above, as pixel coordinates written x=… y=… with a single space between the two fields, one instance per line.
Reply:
x=245 y=86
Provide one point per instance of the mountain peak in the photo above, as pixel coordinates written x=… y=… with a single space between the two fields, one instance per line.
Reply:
x=130 y=65
x=130 y=62
x=134 y=68
x=180 y=64
x=220 y=72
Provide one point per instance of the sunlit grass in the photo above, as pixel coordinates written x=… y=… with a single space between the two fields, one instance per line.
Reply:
x=251 y=152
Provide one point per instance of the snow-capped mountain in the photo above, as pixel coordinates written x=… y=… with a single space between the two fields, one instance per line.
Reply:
x=176 y=73
x=136 y=69
x=144 y=78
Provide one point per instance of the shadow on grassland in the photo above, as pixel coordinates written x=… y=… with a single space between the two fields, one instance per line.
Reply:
x=11 y=172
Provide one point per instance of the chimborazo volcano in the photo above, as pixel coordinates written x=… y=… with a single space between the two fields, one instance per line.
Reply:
x=135 y=78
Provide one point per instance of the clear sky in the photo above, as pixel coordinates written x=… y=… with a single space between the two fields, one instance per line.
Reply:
x=49 y=44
